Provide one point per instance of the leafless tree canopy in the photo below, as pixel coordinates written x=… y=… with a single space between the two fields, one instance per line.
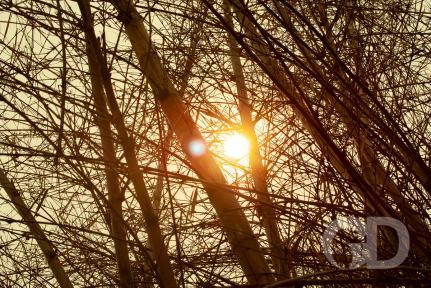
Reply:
x=114 y=116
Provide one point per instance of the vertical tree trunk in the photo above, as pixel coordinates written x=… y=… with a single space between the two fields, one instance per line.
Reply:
x=118 y=231
x=45 y=245
x=100 y=74
x=311 y=123
x=235 y=224
x=196 y=31
x=372 y=169
x=258 y=170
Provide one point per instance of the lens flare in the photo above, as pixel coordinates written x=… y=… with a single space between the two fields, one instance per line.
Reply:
x=197 y=147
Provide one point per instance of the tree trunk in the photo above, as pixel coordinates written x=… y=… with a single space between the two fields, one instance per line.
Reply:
x=258 y=170
x=372 y=169
x=312 y=124
x=45 y=245
x=100 y=74
x=116 y=197
x=235 y=224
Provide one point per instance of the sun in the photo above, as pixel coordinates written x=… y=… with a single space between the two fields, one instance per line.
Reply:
x=236 y=146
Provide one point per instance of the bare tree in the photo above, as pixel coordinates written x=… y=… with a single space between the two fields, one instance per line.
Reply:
x=114 y=117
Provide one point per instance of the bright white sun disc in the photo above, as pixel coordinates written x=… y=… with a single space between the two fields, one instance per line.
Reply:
x=236 y=146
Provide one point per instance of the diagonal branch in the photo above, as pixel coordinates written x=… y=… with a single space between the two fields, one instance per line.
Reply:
x=44 y=243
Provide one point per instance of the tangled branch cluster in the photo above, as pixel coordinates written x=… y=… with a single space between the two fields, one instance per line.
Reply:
x=100 y=100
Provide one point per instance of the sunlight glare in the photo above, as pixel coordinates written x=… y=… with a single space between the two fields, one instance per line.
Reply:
x=236 y=146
